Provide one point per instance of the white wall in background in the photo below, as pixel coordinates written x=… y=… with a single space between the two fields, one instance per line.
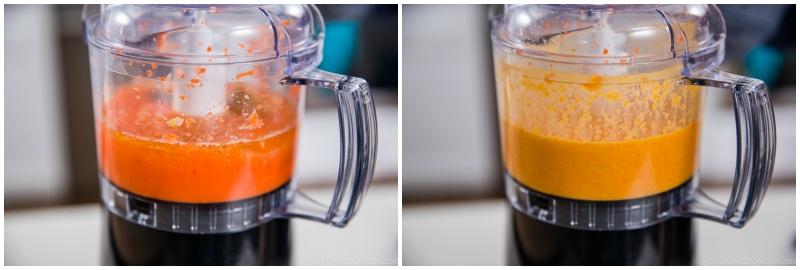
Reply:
x=447 y=106
x=35 y=154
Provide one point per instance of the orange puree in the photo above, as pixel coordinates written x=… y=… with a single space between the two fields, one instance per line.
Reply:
x=600 y=170
x=151 y=150
x=593 y=136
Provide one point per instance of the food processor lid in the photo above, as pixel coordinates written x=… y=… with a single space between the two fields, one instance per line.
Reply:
x=208 y=34
x=612 y=34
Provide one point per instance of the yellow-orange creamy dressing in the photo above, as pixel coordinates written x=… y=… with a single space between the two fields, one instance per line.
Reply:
x=595 y=137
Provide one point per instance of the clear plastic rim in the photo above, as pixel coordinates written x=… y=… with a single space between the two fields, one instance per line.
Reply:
x=292 y=56
x=199 y=218
x=622 y=7
x=202 y=6
x=549 y=57
x=619 y=215
x=699 y=53
x=167 y=58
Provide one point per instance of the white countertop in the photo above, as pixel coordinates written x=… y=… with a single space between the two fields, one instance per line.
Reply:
x=72 y=235
x=474 y=233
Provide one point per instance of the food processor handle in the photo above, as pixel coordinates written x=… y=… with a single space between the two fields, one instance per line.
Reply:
x=359 y=136
x=755 y=151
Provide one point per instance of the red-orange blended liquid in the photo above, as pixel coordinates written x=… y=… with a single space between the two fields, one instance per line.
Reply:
x=150 y=149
